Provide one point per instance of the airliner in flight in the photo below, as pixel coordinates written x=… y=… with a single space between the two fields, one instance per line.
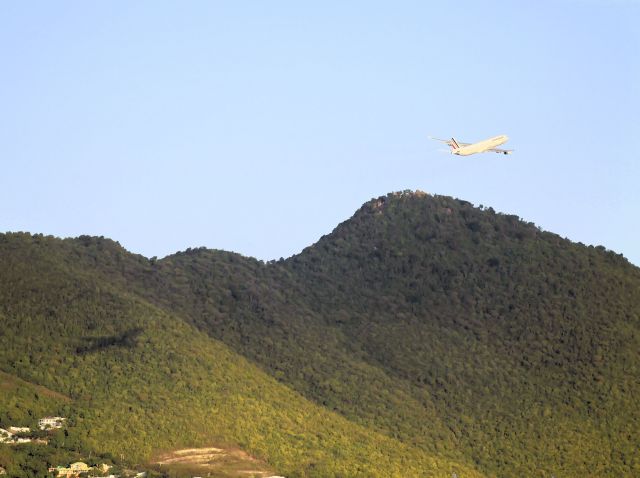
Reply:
x=487 y=145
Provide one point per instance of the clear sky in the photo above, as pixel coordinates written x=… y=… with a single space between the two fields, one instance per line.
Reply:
x=258 y=126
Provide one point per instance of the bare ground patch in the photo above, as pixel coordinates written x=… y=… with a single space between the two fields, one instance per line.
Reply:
x=213 y=462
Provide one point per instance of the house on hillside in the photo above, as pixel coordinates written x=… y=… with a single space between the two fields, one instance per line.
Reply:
x=7 y=437
x=74 y=469
x=51 y=422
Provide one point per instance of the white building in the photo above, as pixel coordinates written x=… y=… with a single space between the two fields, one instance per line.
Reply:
x=50 y=422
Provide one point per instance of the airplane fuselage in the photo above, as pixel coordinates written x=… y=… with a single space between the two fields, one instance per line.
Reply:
x=481 y=146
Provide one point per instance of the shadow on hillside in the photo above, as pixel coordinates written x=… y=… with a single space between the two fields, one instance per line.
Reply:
x=126 y=339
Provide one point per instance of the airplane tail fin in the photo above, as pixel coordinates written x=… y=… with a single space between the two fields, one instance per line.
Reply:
x=454 y=144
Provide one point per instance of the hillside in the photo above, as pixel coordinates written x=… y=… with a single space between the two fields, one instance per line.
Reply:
x=422 y=336
x=143 y=381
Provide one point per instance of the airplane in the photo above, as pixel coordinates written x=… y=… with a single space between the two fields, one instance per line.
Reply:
x=466 y=149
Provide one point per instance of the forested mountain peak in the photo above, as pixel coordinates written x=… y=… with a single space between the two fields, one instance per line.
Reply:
x=455 y=335
x=415 y=227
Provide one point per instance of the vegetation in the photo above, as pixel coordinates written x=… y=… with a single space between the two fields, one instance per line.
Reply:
x=423 y=336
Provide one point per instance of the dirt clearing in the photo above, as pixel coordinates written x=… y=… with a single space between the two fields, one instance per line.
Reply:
x=213 y=462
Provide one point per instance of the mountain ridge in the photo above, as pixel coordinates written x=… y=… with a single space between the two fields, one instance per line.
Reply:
x=460 y=332
x=373 y=204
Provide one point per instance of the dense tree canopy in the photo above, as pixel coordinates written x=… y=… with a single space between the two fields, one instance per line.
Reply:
x=422 y=336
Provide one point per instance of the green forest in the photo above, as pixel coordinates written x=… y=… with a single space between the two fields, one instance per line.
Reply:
x=424 y=336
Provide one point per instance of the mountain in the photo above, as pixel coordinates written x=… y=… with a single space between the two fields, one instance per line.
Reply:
x=422 y=337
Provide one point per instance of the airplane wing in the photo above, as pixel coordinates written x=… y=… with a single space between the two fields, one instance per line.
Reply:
x=448 y=141
x=438 y=139
x=500 y=151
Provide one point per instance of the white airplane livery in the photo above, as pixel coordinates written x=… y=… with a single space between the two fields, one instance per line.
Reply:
x=487 y=145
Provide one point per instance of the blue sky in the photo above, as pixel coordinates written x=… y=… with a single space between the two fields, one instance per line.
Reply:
x=257 y=126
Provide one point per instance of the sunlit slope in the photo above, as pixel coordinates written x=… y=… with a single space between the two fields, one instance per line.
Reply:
x=259 y=310
x=142 y=380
